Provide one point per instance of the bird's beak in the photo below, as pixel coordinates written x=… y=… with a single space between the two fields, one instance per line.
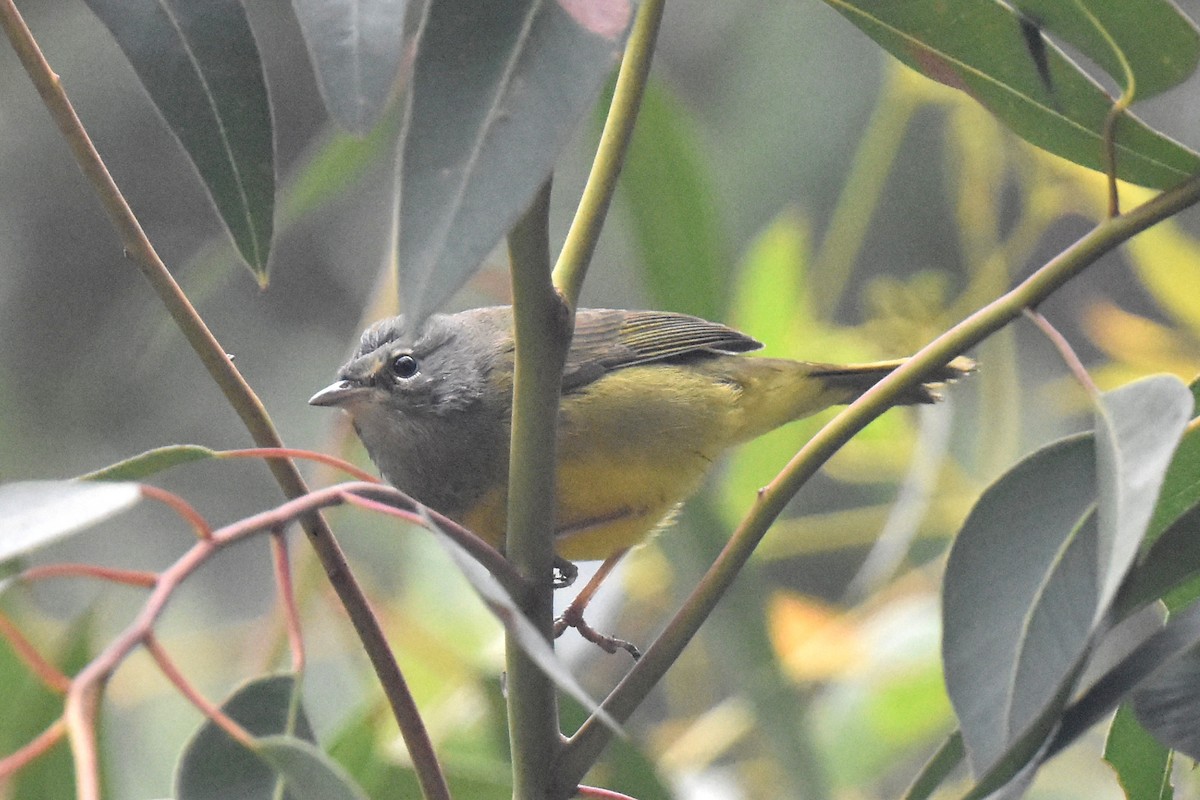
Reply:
x=336 y=394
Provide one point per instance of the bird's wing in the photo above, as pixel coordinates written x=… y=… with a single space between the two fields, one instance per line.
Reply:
x=609 y=339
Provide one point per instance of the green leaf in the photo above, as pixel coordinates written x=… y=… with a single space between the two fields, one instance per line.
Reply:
x=1160 y=44
x=1168 y=703
x=1019 y=598
x=497 y=89
x=1138 y=428
x=1143 y=766
x=35 y=513
x=977 y=46
x=1180 y=634
x=356 y=47
x=215 y=767
x=150 y=462
x=309 y=773
x=201 y=67
x=673 y=211
x=1181 y=487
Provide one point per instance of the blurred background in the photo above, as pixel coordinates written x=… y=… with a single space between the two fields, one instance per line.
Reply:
x=848 y=209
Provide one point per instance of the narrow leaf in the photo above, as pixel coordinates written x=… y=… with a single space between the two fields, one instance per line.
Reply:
x=356 y=47
x=35 y=513
x=977 y=46
x=1168 y=703
x=1160 y=44
x=1019 y=597
x=673 y=211
x=148 y=463
x=200 y=65
x=497 y=89
x=215 y=767
x=1138 y=428
x=1143 y=766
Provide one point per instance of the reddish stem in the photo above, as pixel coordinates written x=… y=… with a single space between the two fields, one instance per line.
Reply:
x=11 y=764
x=304 y=455
x=180 y=507
x=287 y=597
x=207 y=708
x=128 y=577
x=49 y=674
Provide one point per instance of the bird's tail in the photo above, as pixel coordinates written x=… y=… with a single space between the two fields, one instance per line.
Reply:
x=777 y=391
x=853 y=380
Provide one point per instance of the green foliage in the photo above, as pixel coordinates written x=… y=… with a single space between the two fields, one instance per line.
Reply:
x=792 y=688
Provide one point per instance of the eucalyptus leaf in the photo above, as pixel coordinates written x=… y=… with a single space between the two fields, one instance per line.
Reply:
x=308 y=773
x=356 y=47
x=215 y=767
x=1142 y=764
x=1019 y=598
x=150 y=462
x=36 y=513
x=1154 y=38
x=979 y=46
x=201 y=67
x=497 y=89
x=1138 y=428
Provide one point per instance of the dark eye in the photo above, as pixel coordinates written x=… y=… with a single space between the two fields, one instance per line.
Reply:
x=405 y=366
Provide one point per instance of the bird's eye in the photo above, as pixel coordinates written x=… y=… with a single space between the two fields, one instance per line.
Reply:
x=405 y=366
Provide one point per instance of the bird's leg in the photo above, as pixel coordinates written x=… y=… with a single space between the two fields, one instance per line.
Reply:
x=572 y=616
x=565 y=572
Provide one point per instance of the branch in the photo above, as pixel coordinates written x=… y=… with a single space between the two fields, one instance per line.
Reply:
x=583 y=749
x=542 y=326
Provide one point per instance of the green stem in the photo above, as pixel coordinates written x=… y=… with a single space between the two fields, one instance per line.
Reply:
x=581 y=239
x=235 y=388
x=583 y=749
x=542 y=327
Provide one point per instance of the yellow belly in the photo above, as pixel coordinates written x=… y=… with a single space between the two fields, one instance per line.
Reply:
x=625 y=461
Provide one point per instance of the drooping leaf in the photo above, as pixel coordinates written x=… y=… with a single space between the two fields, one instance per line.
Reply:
x=356 y=47
x=1168 y=703
x=148 y=463
x=35 y=513
x=1138 y=428
x=1019 y=597
x=522 y=631
x=1160 y=44
x=1143 y=765
x=1180 y=634
x=497 y=89
x=215 y=767
x=201 y=67
x=978 y=46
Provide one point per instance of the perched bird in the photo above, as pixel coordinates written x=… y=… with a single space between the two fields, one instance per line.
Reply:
x=650 y=400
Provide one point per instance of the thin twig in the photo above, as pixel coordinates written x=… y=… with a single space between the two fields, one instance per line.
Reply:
x=287 y=599
x=40 y=745
x=185 y=687
x=128 y=577
x=1065 y=351
x=304 y=455
x=181 y=507
x=47 y=673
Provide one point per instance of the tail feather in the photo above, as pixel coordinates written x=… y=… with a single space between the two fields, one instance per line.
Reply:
x=856 y=379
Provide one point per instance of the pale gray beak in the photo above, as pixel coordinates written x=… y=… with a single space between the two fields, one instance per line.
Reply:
x=335 y=394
